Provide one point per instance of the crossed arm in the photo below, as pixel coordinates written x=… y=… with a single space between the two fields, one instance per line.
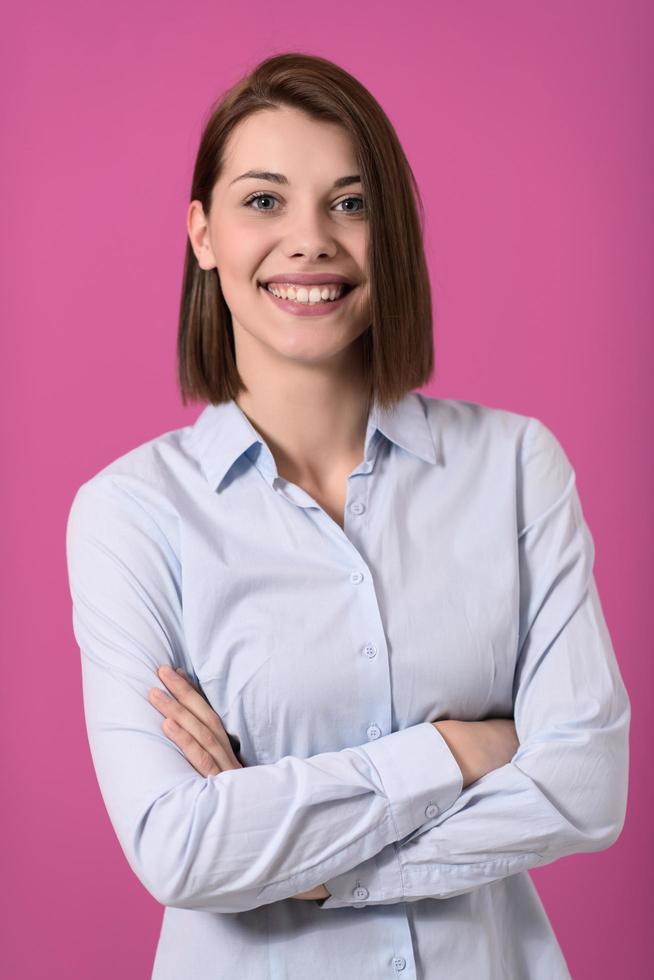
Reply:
x=198 y=731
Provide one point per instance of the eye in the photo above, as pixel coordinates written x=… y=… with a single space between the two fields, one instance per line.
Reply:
x=259 y=195
x=357 y=200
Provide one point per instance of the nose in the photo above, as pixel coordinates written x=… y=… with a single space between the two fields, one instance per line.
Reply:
x=310 y=234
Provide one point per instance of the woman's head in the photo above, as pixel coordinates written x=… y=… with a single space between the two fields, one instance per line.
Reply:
x=306 y=119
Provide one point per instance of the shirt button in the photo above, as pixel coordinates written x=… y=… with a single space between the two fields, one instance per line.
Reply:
x=356 y=577
x=399 y=963
x=360 y=892
x=431 y=810
x=374 y=731
x=357 y=507
x=370 y=650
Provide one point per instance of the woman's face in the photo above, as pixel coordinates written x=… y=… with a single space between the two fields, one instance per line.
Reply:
x=302 y=222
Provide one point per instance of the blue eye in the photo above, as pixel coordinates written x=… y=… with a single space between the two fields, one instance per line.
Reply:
x=262 y=195
x=257 y=195
x=358 y=200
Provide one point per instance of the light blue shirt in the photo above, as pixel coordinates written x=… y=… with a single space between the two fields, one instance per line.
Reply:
x=461 y=587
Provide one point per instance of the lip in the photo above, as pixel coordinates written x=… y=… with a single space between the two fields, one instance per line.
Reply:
x=309 y=278
x=307 y=309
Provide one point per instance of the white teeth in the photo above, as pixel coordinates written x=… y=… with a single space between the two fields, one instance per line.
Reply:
x=302 y=294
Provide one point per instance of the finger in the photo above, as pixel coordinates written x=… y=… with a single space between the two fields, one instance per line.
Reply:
x=199 y=758
x=192 y=733
x=196 y=703
x=190 y=710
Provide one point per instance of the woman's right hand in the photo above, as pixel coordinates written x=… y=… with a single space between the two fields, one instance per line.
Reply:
x=479 y=746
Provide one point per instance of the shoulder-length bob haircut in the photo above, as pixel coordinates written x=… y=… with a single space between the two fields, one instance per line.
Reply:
x=397 y=347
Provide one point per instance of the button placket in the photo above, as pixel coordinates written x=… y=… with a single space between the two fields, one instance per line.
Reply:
x=369 y=649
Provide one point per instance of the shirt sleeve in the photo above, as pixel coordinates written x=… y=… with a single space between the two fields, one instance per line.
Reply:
x=245 y=837
x=565 y=790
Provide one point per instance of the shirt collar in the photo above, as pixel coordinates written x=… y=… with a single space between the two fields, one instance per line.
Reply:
x=222 y=434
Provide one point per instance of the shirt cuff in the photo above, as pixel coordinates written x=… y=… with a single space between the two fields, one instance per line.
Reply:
x=418 y=773
x=373 y=882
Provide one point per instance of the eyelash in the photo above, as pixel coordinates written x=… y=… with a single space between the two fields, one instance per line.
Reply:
x=258 y=194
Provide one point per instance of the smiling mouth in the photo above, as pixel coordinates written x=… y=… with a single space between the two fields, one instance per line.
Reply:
x=303 y=295
x=305 y=308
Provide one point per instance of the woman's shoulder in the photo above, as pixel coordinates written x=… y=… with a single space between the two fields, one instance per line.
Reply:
x=460 y=418
x=498 y=435
x=150 y=477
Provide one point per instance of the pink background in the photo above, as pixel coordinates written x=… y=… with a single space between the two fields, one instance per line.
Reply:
x=528 y=128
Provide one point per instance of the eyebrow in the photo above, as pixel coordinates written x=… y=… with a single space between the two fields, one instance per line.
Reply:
x=281 y=179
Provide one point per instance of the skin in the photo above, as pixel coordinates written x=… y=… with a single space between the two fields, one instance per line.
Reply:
x=303 y=374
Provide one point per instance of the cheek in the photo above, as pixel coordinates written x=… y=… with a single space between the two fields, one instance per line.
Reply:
x=240 y=249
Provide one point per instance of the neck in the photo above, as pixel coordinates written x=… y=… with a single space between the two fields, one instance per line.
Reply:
x=313 y=419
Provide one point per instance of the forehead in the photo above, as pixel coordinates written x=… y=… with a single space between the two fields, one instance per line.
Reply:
x=288 y=141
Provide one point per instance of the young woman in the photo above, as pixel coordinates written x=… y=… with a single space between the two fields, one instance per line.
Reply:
x=346 y=674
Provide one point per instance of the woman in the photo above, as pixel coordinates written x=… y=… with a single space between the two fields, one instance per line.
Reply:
x=390 y=686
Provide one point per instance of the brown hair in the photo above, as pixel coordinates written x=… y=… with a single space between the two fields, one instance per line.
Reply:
x=398 y=346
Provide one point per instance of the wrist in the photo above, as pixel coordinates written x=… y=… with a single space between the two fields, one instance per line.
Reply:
x=456 y=735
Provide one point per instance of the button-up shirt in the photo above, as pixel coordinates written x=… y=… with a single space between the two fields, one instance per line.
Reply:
x=460 y=586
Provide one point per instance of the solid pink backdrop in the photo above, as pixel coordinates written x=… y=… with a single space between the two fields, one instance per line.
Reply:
x=528 y=127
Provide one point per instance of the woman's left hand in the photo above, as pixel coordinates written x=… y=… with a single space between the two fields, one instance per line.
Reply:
x=193 y=725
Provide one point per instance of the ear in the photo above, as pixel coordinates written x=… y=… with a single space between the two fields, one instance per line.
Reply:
x=198 y=233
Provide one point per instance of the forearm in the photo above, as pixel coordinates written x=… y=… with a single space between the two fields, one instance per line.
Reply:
x=477 y=747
